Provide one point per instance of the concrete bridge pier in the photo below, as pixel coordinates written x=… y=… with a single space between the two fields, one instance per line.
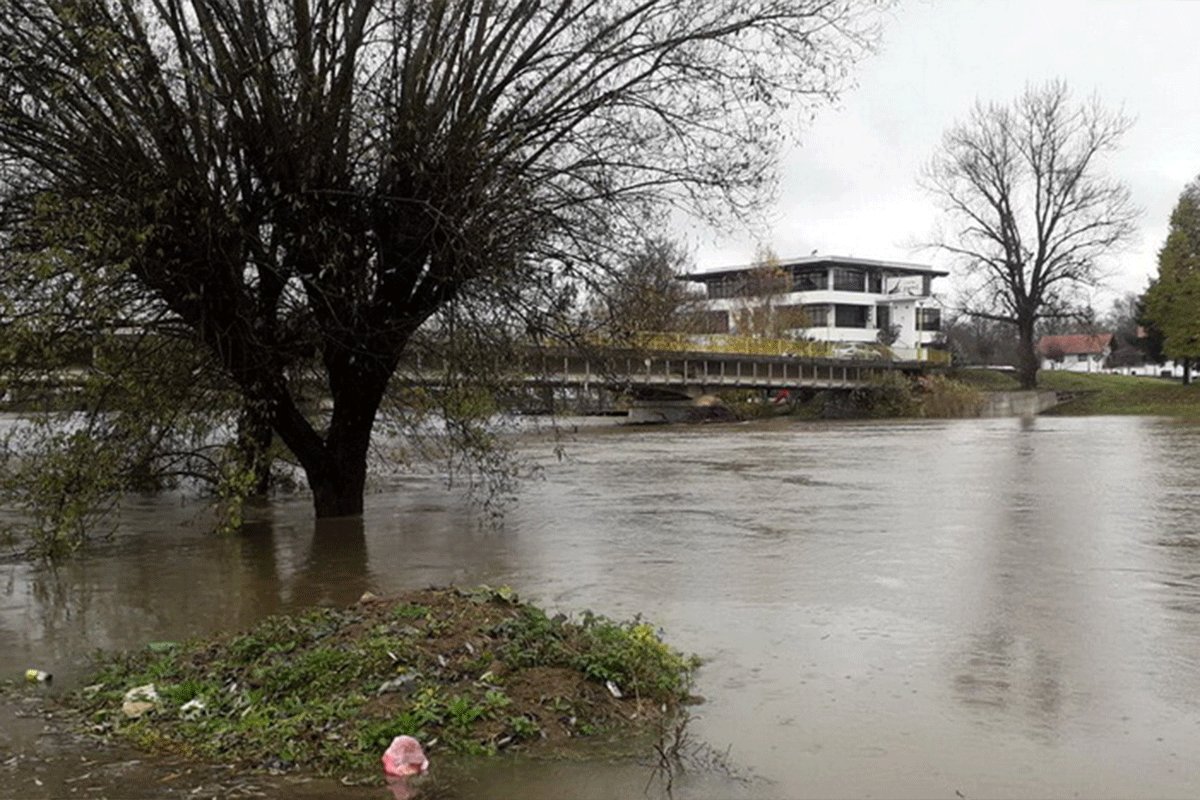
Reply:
x=682 y=404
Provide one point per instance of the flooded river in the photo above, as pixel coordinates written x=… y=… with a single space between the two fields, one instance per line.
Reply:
x=971 y=608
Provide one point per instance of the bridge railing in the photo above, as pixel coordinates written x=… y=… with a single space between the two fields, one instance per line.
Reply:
x=755 y=346
x=729 y=343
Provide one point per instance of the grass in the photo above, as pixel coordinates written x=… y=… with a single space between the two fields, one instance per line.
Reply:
x=325 y=691
x=1122 y=394
x=1098 y=394
x=987 y=380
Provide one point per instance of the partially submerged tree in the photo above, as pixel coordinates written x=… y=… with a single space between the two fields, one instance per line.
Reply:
x=1030 y=212
x=1173 y=299
x=288 y=179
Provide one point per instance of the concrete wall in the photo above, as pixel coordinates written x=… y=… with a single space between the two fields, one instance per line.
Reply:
x=1017 y=404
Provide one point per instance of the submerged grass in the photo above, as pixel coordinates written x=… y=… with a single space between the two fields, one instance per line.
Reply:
x=325 y=691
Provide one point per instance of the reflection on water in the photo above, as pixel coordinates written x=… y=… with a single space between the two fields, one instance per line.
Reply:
x=995 y=607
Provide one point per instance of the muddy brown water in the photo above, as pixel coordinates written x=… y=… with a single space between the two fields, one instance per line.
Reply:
x=984 y=607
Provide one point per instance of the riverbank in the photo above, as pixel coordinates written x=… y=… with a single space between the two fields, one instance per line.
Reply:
x=324 y=691
x=1091 y=394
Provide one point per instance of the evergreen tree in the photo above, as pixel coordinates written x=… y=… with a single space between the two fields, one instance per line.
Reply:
x=1173 y=300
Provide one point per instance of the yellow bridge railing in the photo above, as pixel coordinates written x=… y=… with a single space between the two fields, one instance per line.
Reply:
x=755 y=346
x=729 y=343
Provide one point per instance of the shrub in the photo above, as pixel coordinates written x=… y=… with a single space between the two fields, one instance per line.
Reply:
x=943 y=397
x=888 y=395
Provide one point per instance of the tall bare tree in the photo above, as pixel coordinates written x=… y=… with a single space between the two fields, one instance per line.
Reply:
x=1030 y=214
x=285 y=177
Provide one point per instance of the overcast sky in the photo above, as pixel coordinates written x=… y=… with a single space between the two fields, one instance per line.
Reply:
x=850 y=187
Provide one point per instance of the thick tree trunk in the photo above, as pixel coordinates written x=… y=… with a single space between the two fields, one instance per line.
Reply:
x=1027 y=359
x=339 y=478
x=338 y=489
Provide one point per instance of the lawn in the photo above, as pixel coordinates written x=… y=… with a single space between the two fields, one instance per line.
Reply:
x=1099 y=394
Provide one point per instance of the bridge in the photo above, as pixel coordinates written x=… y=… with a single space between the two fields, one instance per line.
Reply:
x=691 y=372
x=665 y=384
x=665 y=374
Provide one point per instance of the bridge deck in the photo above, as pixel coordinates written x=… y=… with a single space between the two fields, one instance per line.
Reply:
x=701 y=370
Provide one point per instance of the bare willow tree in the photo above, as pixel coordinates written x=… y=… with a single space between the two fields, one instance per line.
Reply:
x=1031 y=216
x=299 y=178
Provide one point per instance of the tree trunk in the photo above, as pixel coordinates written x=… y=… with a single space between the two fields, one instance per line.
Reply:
x=1187 y=371
x=339 y=478
x=338 y=488
x=1027 y=359
x=254 y=444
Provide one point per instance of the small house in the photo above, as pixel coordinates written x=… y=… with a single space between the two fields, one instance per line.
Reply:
x=1075 y=352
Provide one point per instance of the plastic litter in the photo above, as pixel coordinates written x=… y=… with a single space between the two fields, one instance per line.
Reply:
x=404 y=757
x=192 y=707
x=37 y=676
x=139 y=700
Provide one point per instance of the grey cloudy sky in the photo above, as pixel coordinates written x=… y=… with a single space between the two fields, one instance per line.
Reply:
x=850 y=187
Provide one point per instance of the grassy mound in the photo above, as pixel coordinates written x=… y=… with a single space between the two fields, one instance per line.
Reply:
x=325 y=691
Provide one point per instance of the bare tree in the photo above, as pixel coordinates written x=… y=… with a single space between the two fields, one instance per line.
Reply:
x=1030 y=212
x=759 y=310
x=975 y=340
x=288 y=177
x=646 y=294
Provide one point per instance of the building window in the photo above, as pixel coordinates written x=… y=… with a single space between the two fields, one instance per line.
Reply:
x=809 y=281
x=883 y=317
x=929 y=319
x=848 y=280
x=1082 y=357
x=875 y=282
x=818 y=315
x=850 y=316
x=723 y=287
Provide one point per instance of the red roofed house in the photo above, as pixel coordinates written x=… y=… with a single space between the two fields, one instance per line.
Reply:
x=1075 y=352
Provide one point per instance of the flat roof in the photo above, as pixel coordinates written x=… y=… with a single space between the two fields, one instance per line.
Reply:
x=902 y=267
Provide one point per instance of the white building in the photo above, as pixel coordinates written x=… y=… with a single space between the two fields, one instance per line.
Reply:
x=844 y=300
x=1075 y=352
